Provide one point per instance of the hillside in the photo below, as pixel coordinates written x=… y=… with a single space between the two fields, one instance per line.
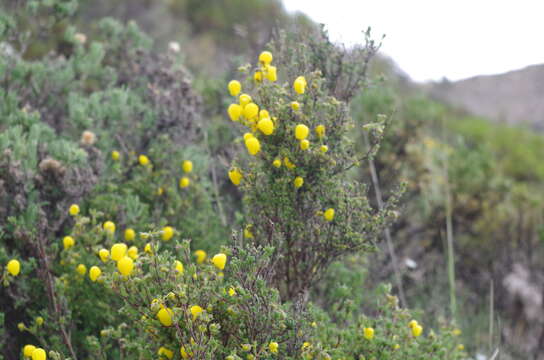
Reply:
x=121 y=149
x=514 y=97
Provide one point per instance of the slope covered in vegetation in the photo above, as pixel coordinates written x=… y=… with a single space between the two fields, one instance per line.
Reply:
x=136 y=132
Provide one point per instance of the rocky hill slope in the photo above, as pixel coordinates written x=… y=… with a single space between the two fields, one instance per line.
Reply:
x=515 y=97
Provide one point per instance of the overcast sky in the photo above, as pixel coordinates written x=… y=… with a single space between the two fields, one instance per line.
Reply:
x=430 y=39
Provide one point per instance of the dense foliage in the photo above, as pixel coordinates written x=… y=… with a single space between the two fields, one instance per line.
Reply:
x=110 y=205
x=94 y=112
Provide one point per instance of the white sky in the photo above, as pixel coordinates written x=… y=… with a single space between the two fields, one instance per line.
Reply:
x=430 y=39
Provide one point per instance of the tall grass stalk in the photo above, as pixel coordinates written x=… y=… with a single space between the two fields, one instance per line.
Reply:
x=449 y=237
x=387 y=233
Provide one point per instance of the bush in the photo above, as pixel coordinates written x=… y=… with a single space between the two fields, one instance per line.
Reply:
x=104 y=210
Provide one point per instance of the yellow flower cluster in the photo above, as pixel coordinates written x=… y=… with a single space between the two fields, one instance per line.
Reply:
x=187 y=167
x=247 y=112
x=417 y=329
x=34 y=353
x=262 y=124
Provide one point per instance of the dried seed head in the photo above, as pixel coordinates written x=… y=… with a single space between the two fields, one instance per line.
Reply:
x=51 y=165
x=88 y=138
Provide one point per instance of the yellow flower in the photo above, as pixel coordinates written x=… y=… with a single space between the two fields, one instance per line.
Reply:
x=368 y=333
x=247 y=231
x=456 y=332
x=263 y=114
x=165 y=352
x=234 y=87
x=244 y=99
x=299 y=85
x=39 y=354
x=130 y=234
x=460 y=347
x=28 y=349
x=81 y=269
x=94 y=273
x=234 y=111
x=306 y=345
x=265 y=57
x=232 y=292
x=320 y=130
x=118 y=251
x=125 y=266
x=235 y=176
x=251 y=110
x=219 y=260
x=196 y=311
x=324 y=148
x=301 y=131
x=276 y=163
x=74 y=209
x=304 y=144
x=271 y=73
x=417 y=330
x=187 y=166
x=179 y=266
x=132 y=252
x=68 y=242
x=104 y=255
x=184 y=182
x=21 y=326
x=184 y=354
x=165 y=316
x=248 y=135
x=266 y=126
x=148 y=249
x=39 y=321
x=412 y=323
x=171 y=296
x=143 y=160
x=155 y=305
x=253 y=145
x=329 y=214
x=115 y=155
x=295 y=105
x=288 y=163
x=273 y=347
x=258 y=76
x=396 y=347
x=200 y=256
x=109 y=226
x=298 y=182
x=246 y=347
x=167 y=233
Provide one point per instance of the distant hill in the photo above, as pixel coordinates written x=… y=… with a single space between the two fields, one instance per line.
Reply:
x=515 y=97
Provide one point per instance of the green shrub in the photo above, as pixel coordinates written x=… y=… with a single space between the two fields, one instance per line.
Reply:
x=103 y=211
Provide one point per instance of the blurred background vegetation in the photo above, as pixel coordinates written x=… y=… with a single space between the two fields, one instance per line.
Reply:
x=480 y=179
